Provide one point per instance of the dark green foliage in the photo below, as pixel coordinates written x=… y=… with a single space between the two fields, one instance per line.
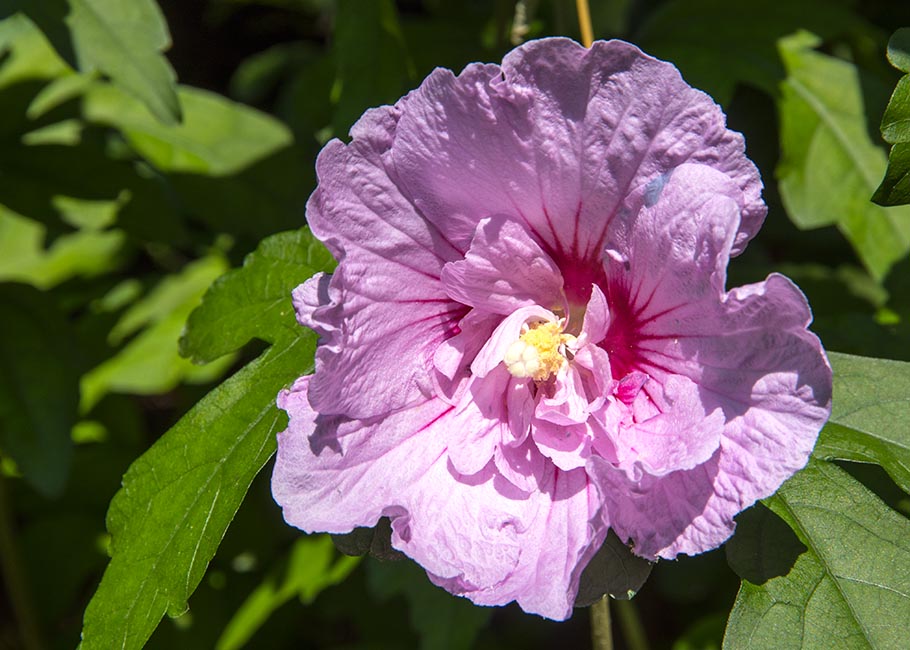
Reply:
x=125 y=198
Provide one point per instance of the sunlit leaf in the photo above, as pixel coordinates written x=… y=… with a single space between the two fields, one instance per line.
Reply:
x=871 y=409
x=829 y=165
x=39 y=387
x=230 y=165
x=850 y=587
x=311 y=566
x=150 y=363
x=123 y=40
x=24 y=257
x=179 y=497
x=718 y=44
x=254 y=301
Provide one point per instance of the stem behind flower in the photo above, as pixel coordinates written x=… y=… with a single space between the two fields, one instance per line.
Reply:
x=584 y=22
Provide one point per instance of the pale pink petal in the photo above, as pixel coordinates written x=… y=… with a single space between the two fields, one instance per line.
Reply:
x=558 y=138
x=665 y=516
x=567 y=445
x=453 y=357
x=597 y=318
x=480 y=421
x=503 y=270
x=680 y=437
x=332 y=474
x=484 y=539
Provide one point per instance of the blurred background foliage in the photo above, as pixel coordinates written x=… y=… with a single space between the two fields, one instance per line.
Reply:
x=124 y=195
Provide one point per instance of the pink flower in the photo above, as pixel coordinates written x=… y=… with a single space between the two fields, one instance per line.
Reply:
x=528 y=339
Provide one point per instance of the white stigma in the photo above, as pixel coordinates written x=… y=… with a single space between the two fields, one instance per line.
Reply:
x=522 y=360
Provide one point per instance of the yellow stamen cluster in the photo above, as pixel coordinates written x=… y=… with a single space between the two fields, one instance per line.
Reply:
x=539 y=352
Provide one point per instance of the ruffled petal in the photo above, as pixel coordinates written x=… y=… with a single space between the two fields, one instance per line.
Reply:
x=482 y=538
x=684 y=512
x=503 y=270
x=559 y=137
x=680 y=437
x=386 y=290
x=334 y=474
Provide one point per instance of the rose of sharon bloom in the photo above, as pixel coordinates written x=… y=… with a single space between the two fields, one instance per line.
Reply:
x=528 y=339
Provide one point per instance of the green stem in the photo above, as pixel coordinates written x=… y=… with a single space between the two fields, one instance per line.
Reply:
x=601 y=634
x=630 y=623
x=14 y=577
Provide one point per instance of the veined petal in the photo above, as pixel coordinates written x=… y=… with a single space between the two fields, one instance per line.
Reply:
x=503 y=270
x=558 y=138
x=386 y=289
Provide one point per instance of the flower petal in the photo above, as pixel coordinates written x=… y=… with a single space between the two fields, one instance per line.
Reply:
x=386 y=290
x=558 y=137
x=507 y=332
x=334 y=474
x=484 y=539
x=503 y=270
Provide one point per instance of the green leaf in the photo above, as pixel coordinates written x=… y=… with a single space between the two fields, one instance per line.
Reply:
x=697 y=34
x=39 y=386
x=896 y=120
x=852 y=584
x=24 y=257
x=123 y=40
x=899 y=49
x=231 y=165
x=217 y=137
x=443 y=621
x=871 y=409
x=179 y=497
x=255 y=301
x=895 y=187
x=311 y=566
x=150 y=363
x=829 y=166
x=373 y=67
x=613 y=570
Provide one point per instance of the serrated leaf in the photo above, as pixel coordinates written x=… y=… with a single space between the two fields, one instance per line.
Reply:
x=123 y=40
x=150 y=363
x=311 y=566
x=255 y=300
x=829 y=166
x=39 y=386
x=871 y=409
x=851 y=587
x=179 y=497
x=696 y=34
